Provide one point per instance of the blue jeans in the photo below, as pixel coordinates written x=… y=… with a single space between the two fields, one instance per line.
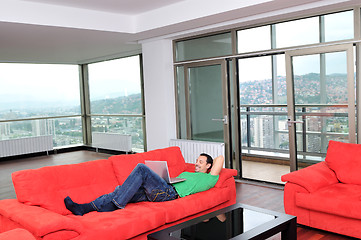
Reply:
x=141 y=185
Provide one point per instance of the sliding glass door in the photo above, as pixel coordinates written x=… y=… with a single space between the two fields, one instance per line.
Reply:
x=206 y=102
x=263 y=123
x=320 y=101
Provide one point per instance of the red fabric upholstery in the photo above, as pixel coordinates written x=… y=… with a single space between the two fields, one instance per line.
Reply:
x=289 y=201
x=224 y=175
x=327 y=195
x=192 y=204
x=39 y=221
x=335 y=223
x=124 y=164
x=337 y=199
x=49 y=186
x=16 y=234
x=345 y=160
x=41 y=210
x=313 y=177
x=124 y=223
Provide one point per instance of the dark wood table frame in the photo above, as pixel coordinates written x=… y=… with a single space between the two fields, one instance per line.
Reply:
x=286 y=224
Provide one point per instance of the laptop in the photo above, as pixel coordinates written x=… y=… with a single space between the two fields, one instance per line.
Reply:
x=161 y=168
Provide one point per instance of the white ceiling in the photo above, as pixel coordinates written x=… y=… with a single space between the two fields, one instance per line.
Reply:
x=81 y=31
x=127 y=7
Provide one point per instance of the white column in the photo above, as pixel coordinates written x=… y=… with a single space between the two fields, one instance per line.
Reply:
x=159 y=93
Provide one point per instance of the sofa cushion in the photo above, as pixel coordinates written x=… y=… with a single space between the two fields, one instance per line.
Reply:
x=345 y=160
x=338 y=199
x=37 y=220
x=17 y=234
x=124 y=164
x=48 y=186
x=193 y=204
x=134 y=219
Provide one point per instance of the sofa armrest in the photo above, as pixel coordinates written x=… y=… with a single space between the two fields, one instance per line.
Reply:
x=313 y=177
x=39 y=221
x=224 y=175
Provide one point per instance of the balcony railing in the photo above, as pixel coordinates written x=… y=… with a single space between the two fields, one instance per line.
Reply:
x=264 y=129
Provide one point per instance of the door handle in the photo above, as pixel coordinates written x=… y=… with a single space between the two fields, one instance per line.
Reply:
x=224 y=119
x=289 y=122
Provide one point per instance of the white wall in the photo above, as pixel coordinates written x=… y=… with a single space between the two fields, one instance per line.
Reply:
x=159 y=93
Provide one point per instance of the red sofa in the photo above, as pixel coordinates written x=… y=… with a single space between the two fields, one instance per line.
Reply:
x=40 y=209
x=327 y=195
x=16 y=234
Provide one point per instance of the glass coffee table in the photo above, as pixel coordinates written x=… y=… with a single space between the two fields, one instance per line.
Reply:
x=238 y=221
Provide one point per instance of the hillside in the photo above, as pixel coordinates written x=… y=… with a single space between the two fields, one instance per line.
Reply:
x=122 y=105
x=307 y=90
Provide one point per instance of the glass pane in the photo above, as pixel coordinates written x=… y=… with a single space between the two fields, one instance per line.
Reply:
x=320 y=79
x=68 y=131
x=298 y=32
x=339 y=26
x=115 y=86
x=123 y=125
x=244 y=130
x=206 y=103
x=65 y=131
x=255 y=79
x=306 y=73
x=316 y=85
x=322 y=124
x=269 y=131
x=204 y=47
x=181 y=103
x=262 y=131
x=280 y=81
x=38 y=90
x=254 y=39
x=281 y=138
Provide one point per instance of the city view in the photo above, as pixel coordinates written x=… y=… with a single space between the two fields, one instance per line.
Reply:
x=68 y=131
x=266 y=131
x=270 y=131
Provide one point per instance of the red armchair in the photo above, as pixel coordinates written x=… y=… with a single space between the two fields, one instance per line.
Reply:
x=327 y=195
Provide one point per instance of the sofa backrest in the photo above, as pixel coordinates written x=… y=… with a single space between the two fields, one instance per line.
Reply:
x=48 y=186
x=345 y=160
x=124 y=164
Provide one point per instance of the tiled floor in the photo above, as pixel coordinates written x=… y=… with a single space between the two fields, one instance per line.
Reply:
x=264 y=171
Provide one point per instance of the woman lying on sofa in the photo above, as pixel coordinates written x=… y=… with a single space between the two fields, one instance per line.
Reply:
x=145 y=185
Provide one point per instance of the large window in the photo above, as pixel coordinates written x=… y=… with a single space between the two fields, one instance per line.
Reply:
x=324 y=28
x=262 y=79
x=45 y=99
x=265 y=83
x=40 y=99
x=115 y=91
x=204 y=47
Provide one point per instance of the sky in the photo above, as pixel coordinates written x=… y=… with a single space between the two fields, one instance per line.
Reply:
x=27 y=84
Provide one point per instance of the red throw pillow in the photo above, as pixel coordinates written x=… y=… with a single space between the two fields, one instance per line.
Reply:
x=345 y=160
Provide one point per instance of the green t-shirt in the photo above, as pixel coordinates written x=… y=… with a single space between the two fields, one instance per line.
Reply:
x=196 y=182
